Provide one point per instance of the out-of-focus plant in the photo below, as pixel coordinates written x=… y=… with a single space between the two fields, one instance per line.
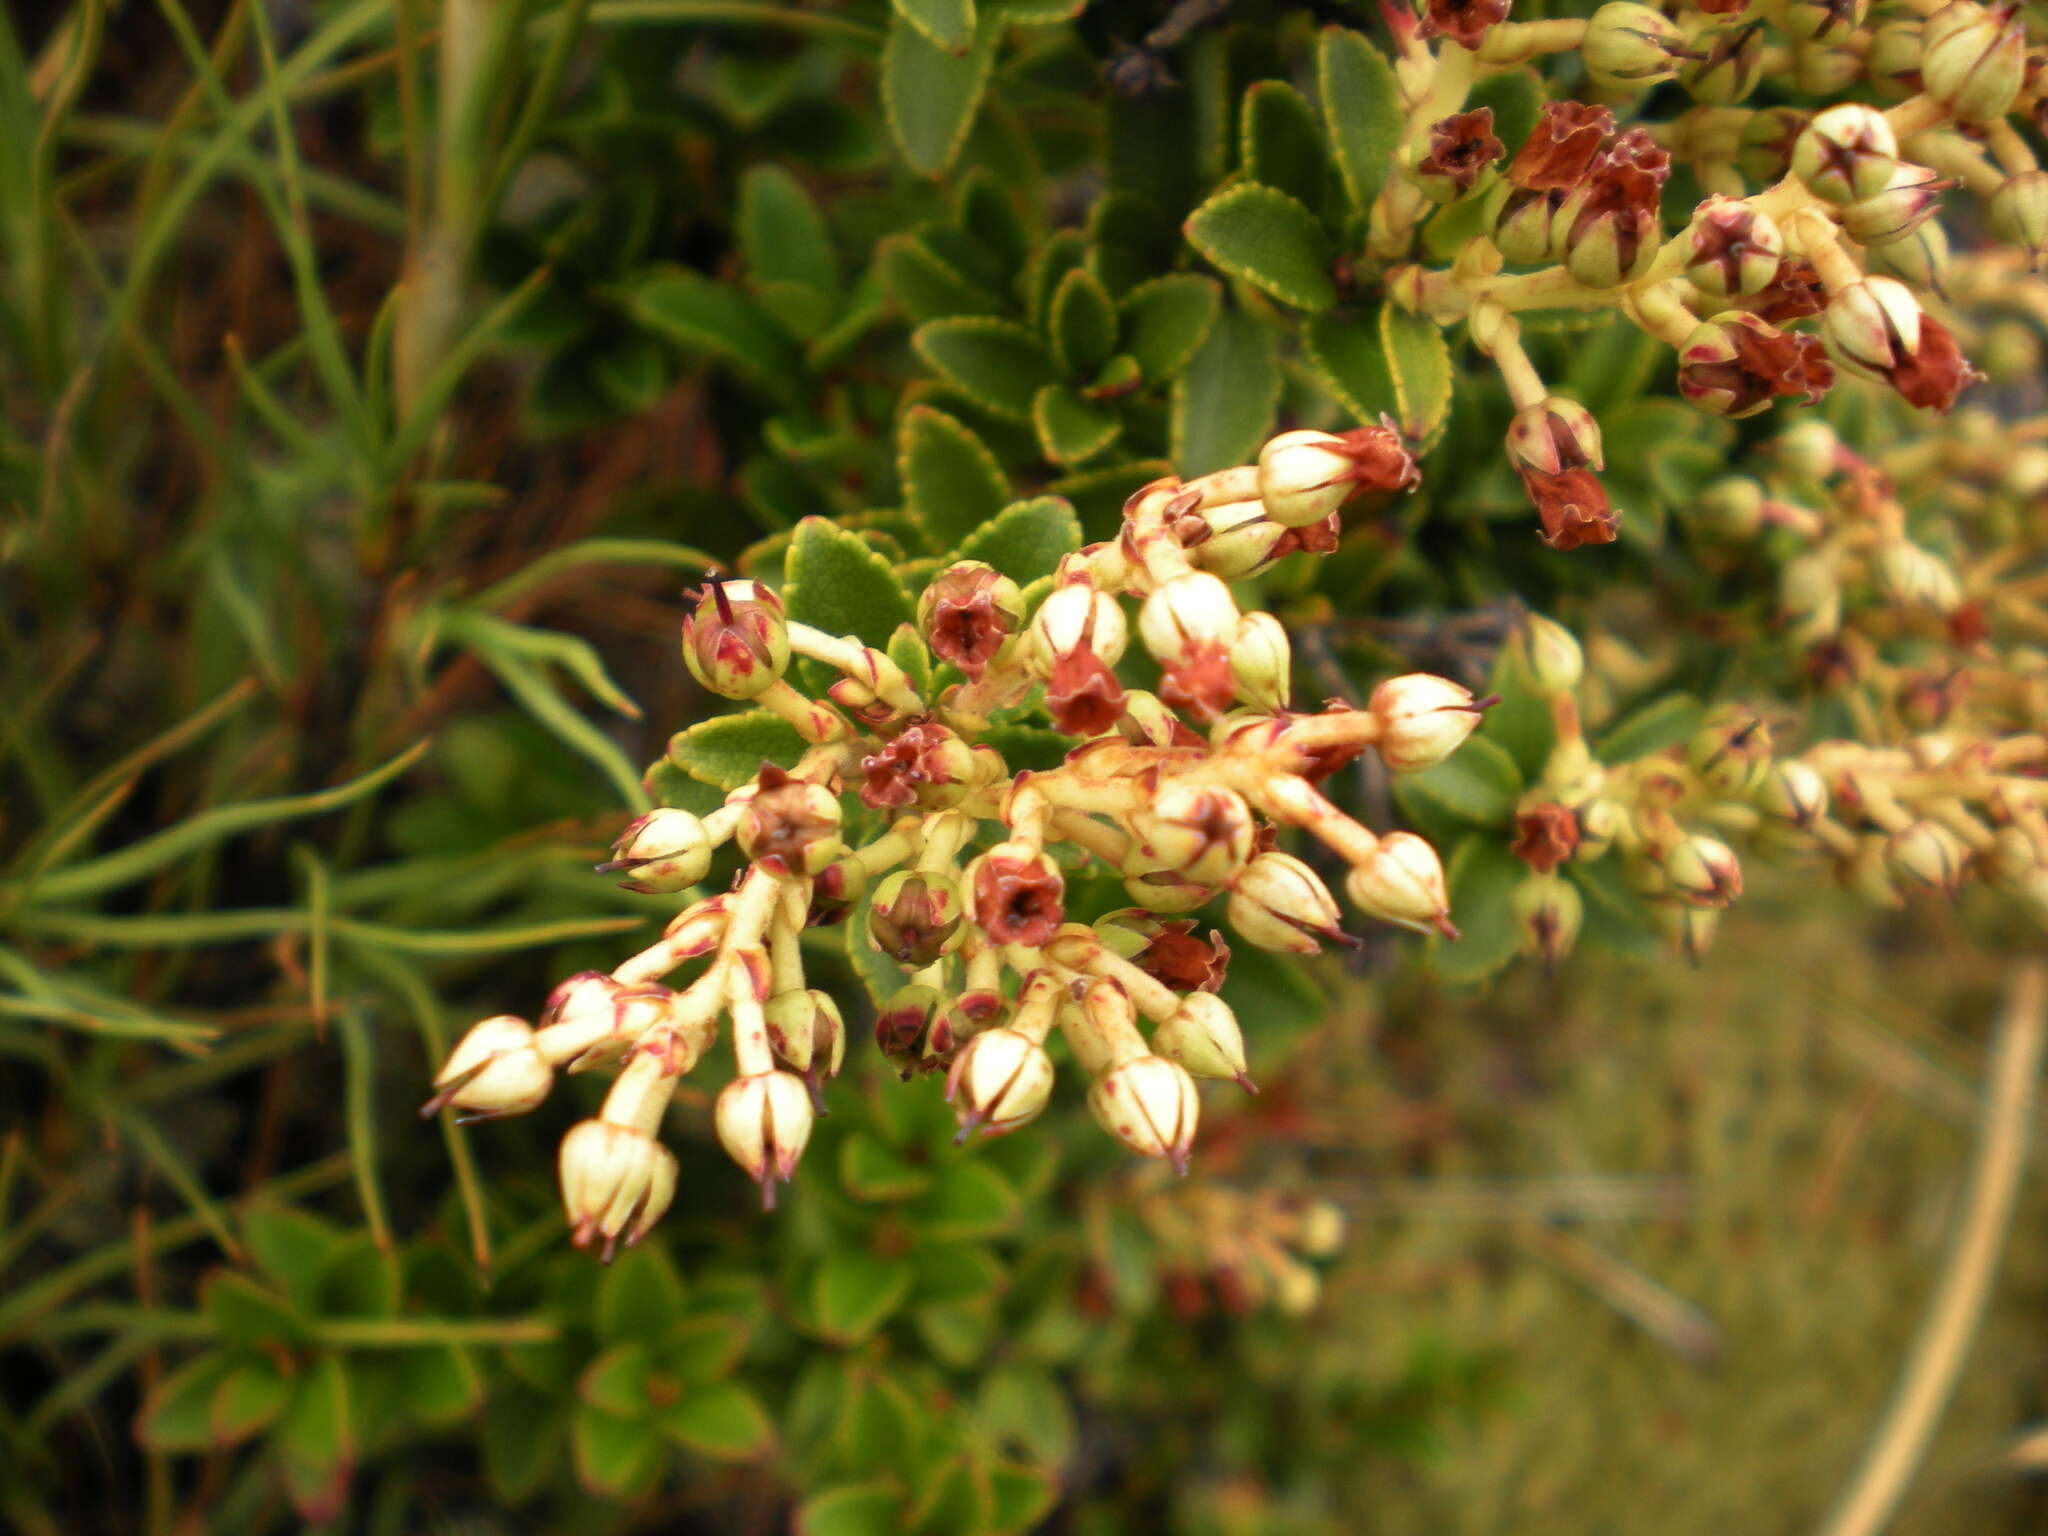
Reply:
x=372 y=375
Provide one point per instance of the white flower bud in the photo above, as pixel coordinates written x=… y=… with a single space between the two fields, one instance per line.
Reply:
x=616 y=1181
x=664 y=851
x=1077 y=617
x=1422 y=720
x=1148 y=1103
x=1262 y=661
x=1280 y=904
x=1402 y=881
x=1188 y=616
x=764 y=1121
x=1200 y=834
x=1000 y=1080
x=1202 y=1035
x=495 y=1069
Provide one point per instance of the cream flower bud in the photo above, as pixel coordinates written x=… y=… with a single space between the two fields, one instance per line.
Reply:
x=1871 y=325
x=616 y=1181
x=664 y=851
x=1555 y=435
x=1076 y=617
x=736 y=641
x=1550 y=654
x=1547 y=911
x=1198 y=833
x=1913 y=577
x=592 y=1018
x=495 y=1069
x=1909 y=200
x=1280 y=904
x=1730 y=751
x=1810 y=598
x=1630 y=47
x=1238 y=539
x=1304 y=476
x=916 y=917
x=1000 y=1080
x=1148 y=1103
x=1187 y=616
x=1203 y=1036
x=1701 y=871
x=1422 y=720
x=1926 y=856
x=2018 y=211
x=1402 y=881
x=1793 y=792
x=764 y=1121
x=1847 y=152
x=1973 y=59
x=1262 y=661
x=1809 y=450
x=805 y=1030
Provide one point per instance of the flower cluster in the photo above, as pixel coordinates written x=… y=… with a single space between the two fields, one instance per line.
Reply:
x=1182 y=791
x=1814 y=252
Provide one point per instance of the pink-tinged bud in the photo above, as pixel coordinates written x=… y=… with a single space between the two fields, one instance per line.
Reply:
x=1077 y=619
x=806 y=1030
x=2019 y=214
x=1630 y=47
x=1973 y=59
x=736 y=641
x=1018 y=894
x=1148 y=1103
x=1892 y=61
x=1911 y=577
x=1200 y=834
x=903 y=1025
x=1280 y=904
x=1607 y=230
x=1422 y=720
x=1793 y=792
x=1731 y=752
x=790 y=826
x=616 y=1182
x=1000 y=1080
x=1736 y=364
x=1547 y=911
x=495 y=1069
x=1726 y=65
x=1876 y=328
x=764 y=1121
x=1465 y=22
x=1147 y=722
x=1823 y=18
x=1455 y=153
x=1187 y=618
x=1236 y=539
x=1734 y=249
x=1262 y=661
x=1763 y=152
x=924 y=764
x=1554 y=435
x=1926 y=856
x=1203 y=1036
x=1702 y=871
x=592 y=1019
x=1402 y=881
x=1525 y=228
x=664 y=851
x=1846 y=153
x=1163 y=891
x=966 y=613
x=916 y=917
x=1909 y=201
x=1082 y=695
x=1305 y=476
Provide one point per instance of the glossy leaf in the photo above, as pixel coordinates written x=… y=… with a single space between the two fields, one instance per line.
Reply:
x=872 y=1170
x=1662 y=723
x=788 y=250
x=178 y=1413
x=1027 y=539
x=925 y=286
x=1223 y=404
x=1362 y=105
x=1283 y=142
x=1481 y=876
x=853 y=1509
x=968 y=1199
x=1071 y=428
x=617 y=1458
x=639 y=1295
x=248 y=1399
x=1166 y=319
x=997 y=364
x=314 y=1443
x=836 y=583
x=1269 y=239
x=243 y=1311
x=1083 y=325
x=951 y=482
x=930 y=96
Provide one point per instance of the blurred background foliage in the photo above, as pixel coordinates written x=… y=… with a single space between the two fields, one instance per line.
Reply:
x=373 y=375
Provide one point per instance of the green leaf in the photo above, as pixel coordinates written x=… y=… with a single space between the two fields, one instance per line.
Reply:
x=1028 y=746
x=691 y=311
x=440 y=1383
x=854 y=1509
x=1521 y=722
x=956 y=1272
x=1270 y=240
x=639 y=1296
x=1083 y=325
x=1479 y=783
x=1223 y=403
x=1347 y=351
x=248 y=1400
x=929 y=96
x=1021 y=1408
x=853 y=1293
x=1060 y=253
x=313 y=1441
x=1283 y=142
x=178 y=1413
x=357 y=1280
x=245 y=1312
x=925 y=286
x=835 y=582
x=617 y=1458
x=1420 y=361
x=1166 y=319
x=1362 y=105
x=872 y=1170
x=1130 y=241
x=1021 y=1496
x=668 y=785
x=950 y=1499
x=521 y=1435
x=908 y=650
x=1516 y=99
x=949 y=24
x=633 y=369
x=787 y=248
x=1482 y=876
x=960 y=1333
x=705 y=1347
x=618 y=1381
x=952 y=484
x=1027 y=539
x=969 y=1199
x=728 y=750
x=1662 y=723
x=1071 y=428
x=722 y=1420
x=291 y=1247
x=997 y=364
